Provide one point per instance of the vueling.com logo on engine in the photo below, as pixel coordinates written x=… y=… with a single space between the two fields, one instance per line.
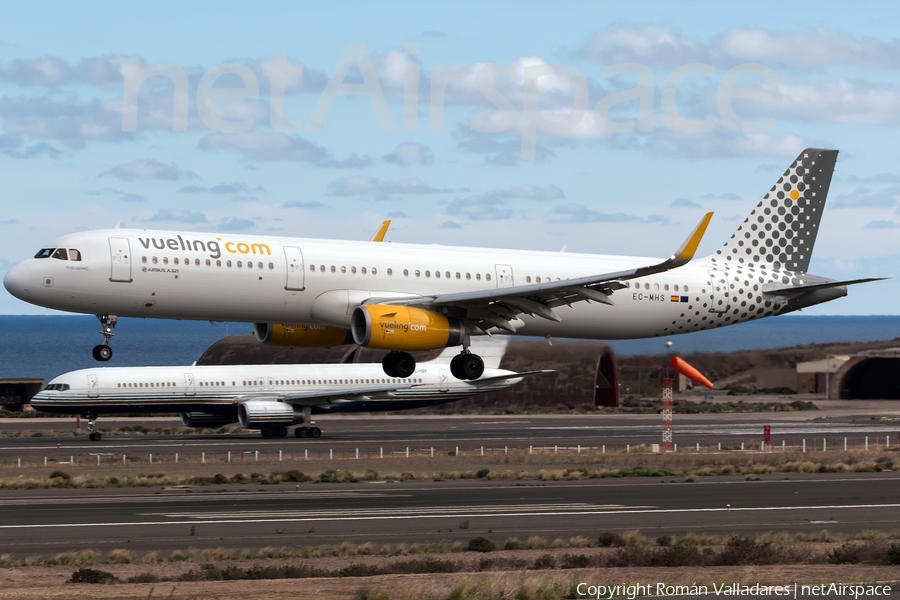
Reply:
x=389 y=328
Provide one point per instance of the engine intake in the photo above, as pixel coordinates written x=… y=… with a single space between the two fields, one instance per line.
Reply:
x=300 y=336
x=202 y=419
x=256 y=414
x=403 y=328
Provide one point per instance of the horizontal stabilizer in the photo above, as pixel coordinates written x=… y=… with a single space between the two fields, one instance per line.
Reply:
x=792 y=290
x=495 y=379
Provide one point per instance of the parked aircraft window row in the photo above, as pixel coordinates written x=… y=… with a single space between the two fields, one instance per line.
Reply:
x=390 y=272
x=211 y=383
x=59 y=387
x=59 y=254
x=154 y=384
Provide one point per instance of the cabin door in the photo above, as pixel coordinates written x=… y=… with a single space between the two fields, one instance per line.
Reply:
x=295 y=271
x=120 y=257
x=504 y=276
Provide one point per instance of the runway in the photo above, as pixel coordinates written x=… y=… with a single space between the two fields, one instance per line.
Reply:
x=254 y=516
x=371 y=434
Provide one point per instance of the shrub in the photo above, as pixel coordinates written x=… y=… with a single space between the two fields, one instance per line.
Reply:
x=481 y=544
x=742 y=550
x=367 y=593
x=513 y=543
x=609 y=539
x=665 y=541
x=60 y=475
x=87 y=575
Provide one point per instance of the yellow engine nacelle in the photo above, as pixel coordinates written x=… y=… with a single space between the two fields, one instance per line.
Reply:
x=403 y=328
x=300 y=336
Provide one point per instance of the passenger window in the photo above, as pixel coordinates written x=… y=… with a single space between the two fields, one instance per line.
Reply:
x=321 y=268
x=144 y=259
x=447 y=274
x=528 y=279
x=685 y=288
x=218 y=263
x=676 y=287
x=458 y=276
x=61 y=254
x=666 y=287
x=417 y=273
x=196 y=262
x=74 y=255
x=312 y=268
x=406 y=272
x=363 y=270
x=249 y=264
x=487 y=276
x=390 y=272
x=239 y=264
x=468 y=276
x=208 y=262
x=165 y=260
x=154 y=260
x=175 y=260
x=436 y=274
x=259 y=265
x=353 y=270
x=271 y=266
x=333 y=269
x=343 y=269
x=427 y=273
x=228 y=263
x=44 y=253
x=478 y=276
x=374 y=271
x=656 y=286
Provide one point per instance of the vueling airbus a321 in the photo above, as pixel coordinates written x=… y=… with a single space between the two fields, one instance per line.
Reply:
x=403 y=297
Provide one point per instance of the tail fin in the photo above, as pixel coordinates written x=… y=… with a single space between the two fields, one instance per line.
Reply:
x=781 y=230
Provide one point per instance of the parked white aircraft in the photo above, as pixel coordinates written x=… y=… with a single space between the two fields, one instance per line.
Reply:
x=267 y=397
x=403 y=297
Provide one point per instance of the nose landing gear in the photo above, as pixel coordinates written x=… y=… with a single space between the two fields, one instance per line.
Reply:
x=93 y=433
x=102 y=352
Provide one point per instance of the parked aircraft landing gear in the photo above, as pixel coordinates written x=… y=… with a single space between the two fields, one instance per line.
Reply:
x=103 y=352
x=93 y=434
x=308 y=432
x=398 y=364
x=274 y=432
x=467 y=366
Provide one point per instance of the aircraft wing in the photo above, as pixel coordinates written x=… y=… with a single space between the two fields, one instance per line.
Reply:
x=359 y=393
x=488 y=380
x=497 y=307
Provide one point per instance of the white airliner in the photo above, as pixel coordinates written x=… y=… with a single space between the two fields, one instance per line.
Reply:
x=403 y=297
x=267 y=397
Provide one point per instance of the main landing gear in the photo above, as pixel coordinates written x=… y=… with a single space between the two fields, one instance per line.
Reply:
x=398 y=364
x=466 y=366
x=93 y=433
x=102 y=352
x=308 y=429
x=271 y=432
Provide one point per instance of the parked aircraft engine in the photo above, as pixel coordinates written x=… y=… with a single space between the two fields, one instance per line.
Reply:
x=402 y=328
x=265 y=414
x=202 y=419
x=300 y=336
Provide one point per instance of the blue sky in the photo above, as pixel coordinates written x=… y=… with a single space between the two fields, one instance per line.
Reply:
x=68 y=163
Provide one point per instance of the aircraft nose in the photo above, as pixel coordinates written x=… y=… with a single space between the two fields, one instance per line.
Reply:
x=18 y=280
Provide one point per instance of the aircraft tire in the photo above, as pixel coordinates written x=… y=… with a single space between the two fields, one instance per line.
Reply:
x=281 y=432
x=455 y=368
x=301 y=432
x=404 y=365
x=471 y=366
x=387 y=364
x=267 y=433
x=102 y=352
x=315 y=432
x=95 y=436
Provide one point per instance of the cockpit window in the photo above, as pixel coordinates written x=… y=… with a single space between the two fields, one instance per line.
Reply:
x=61 y=254
x=44 y=253
x=74 y=254
x=59 y=387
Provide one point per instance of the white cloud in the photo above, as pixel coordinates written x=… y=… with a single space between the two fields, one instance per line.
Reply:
x=264 y=146
x=579 y=213
x=684 y=203
x=236 y=187
x=479 y=208
x=148 y=169
x=177 y=215
x=408 y=154
x=355 y=185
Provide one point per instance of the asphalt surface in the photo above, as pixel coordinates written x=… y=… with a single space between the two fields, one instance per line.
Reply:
x=879 y=423
x=253 y=516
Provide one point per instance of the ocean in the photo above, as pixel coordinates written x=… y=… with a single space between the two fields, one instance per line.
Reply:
x=48 y=345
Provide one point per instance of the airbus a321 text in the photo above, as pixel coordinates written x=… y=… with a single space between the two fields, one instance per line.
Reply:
x=270 y=398
x=404 y=297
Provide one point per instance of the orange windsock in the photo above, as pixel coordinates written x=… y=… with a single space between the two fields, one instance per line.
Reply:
x=689 y=372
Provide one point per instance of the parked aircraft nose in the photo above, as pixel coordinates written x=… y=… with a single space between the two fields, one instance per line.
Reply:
x=18 y=281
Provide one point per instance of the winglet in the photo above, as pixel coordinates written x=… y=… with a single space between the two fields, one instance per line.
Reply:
x=382 y=231
x=690 y=245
